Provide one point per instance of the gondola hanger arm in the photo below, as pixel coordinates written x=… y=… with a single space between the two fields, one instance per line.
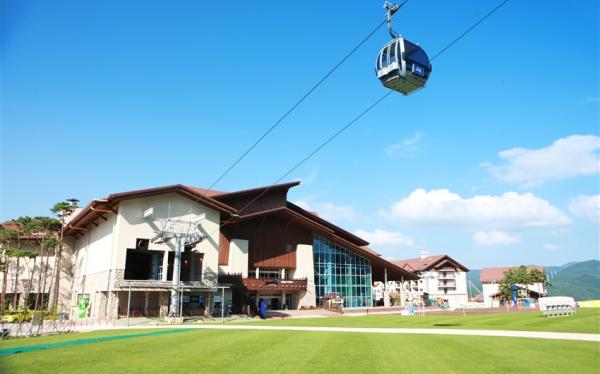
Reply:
x=391 y=9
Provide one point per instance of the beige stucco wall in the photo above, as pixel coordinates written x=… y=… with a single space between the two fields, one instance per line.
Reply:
x=238 y=257
x=100 y=253
x=488 y=289
x=305 y=269
x=133 y=226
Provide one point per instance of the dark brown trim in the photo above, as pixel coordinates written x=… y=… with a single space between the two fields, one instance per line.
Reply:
x=99 y=207
x=286 y=186
x=347 y=235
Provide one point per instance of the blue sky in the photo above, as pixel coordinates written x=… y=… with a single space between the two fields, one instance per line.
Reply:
x=102 y=97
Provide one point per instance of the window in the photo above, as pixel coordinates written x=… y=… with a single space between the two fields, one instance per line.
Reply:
x=384 y=58
x=340 y=271
x=392 y=53
x=269 y=273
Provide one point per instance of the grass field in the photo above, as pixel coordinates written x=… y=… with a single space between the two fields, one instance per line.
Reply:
x=236 y=351
x=587 y=320
x=255 y=351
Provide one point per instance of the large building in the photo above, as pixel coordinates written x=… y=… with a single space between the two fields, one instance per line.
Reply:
x=490 y=280
x=440 y=277
x=248 y=245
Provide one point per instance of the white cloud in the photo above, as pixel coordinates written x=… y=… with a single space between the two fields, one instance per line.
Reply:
x=383 y=238
x=493 y=238
x=551 y=247
x=571 y=156
x=510 y=209
x=330 y=211
x=405 y=147
x=587 y=207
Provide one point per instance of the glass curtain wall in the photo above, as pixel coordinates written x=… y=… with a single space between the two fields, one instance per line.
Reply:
x=341 y=271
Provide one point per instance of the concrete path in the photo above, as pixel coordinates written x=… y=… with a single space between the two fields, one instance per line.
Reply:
x=500 y=333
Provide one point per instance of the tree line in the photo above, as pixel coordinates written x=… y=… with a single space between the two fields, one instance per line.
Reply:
x=46 y=234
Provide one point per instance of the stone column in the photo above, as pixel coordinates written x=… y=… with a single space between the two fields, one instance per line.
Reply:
x=146 y=301
x=386 y=298
x=112 y=311
x=163 y=302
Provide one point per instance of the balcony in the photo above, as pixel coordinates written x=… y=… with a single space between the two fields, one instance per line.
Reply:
x=443 y=276
x=207 y=280
x=274 y=284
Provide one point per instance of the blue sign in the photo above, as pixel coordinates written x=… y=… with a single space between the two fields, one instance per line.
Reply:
x=514 y=288
x=418 y=69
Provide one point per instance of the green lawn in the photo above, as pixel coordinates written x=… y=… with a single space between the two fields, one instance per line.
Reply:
x=587 y=320
x=254 y=351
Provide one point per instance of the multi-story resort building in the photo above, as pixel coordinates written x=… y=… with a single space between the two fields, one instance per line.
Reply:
x=440 y=277
x=227 y=249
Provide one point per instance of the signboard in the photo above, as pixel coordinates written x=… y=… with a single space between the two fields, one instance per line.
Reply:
x=201 y=301
x=84 y=303
x=194 y=299
x=186 y=299
x=419 y=70
x=217 y=298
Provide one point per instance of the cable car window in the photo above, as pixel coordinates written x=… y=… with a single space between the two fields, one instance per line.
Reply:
x=384 y=57
x=392 y=53
x=379 y=60
x=414 y=53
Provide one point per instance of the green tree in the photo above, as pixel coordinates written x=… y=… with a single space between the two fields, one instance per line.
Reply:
x=31 y=255
x=62 y=210
x=18 y=253
x=8 y=239
x=43 y=230
x=520 y=276
x=537 y=276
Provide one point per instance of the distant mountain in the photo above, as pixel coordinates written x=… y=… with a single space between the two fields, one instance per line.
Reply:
x=580 y=280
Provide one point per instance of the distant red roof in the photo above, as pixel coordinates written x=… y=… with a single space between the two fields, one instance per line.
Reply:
x=495 y=275
x=428 y=263
x=10 y=225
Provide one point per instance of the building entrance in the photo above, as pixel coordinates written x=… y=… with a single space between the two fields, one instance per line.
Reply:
x=273 y=301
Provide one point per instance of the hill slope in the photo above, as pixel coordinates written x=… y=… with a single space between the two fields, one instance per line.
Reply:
x=580 y=280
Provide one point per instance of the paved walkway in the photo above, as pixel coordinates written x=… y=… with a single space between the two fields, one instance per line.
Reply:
x=501 y=333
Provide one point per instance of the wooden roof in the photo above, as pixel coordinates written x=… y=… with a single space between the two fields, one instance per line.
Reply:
x=429 y=263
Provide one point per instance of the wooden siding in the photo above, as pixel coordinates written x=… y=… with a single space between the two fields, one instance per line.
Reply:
x=224 y=242
x=276 y=198
x=272 y=240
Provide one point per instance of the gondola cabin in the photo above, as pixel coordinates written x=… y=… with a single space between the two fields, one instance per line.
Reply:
x=403 y=66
